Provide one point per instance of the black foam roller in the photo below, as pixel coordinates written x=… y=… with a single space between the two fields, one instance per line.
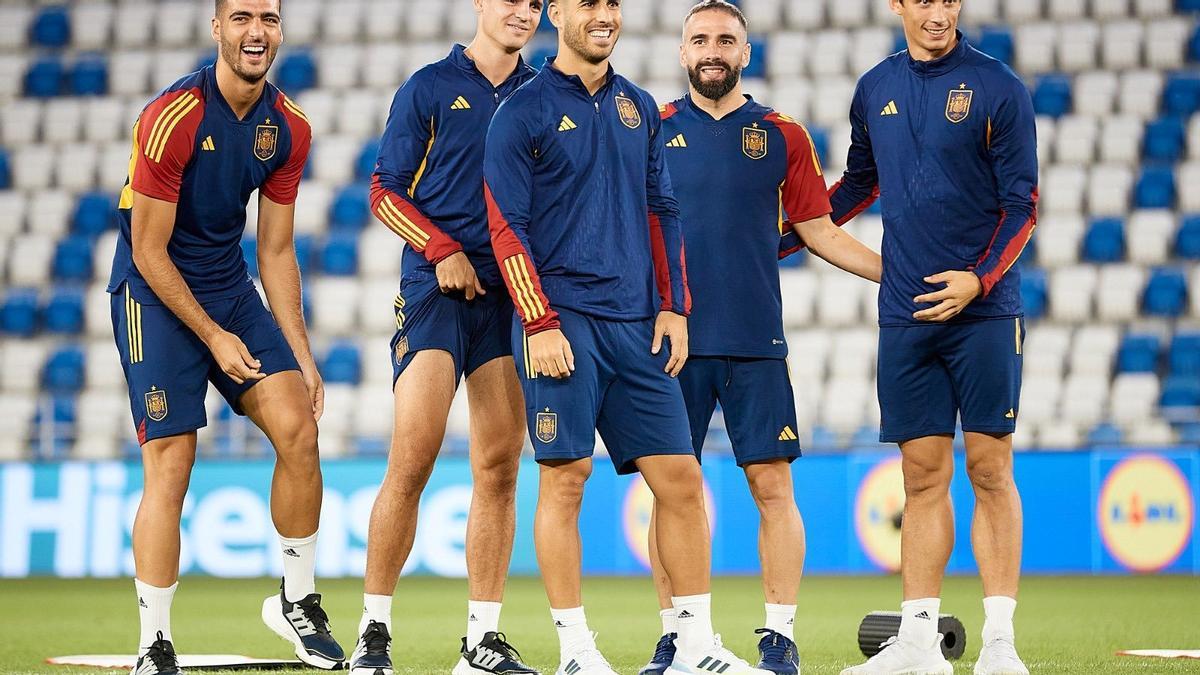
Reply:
x=877 y=627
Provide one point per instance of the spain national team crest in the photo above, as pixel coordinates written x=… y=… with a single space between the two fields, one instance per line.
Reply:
x=156 y=404
x=547 y=426
x=958 y=104
x=265 y=139
x=628 y=112
x=754 y=142
x=401 y=350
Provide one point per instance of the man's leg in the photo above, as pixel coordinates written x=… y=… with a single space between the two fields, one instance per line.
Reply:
x=781 y=544
x=662 y=582
x=497 y=435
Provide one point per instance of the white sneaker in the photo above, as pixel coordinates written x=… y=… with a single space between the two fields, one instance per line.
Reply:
x=905 y=658
x=585 y=660
x=999 y=657
x=717 y=659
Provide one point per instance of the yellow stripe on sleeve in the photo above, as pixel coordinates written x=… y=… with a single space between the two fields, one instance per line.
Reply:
x=166 y=136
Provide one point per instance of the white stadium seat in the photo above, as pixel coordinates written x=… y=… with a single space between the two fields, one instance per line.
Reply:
x=14 y=25
x=1062 y=189
x=1094 y=350
x=799 y=290
x=358 y=113
x=1189 y=175
x=1109 y=187
x=425 y=20
x=1110 y=9
x=33 y=167
x=77 y=164
x=1039 y=399
x=1139 y=93
x=1075 y=142
x=379 y=252
x=848 y=13
x=13 y=205
x=387 y=70
x=1067 y=9
x=1122 y=41
x=303 y=24
x=1149 y=432
x=1077 y=45
x=804 y=14
x=1149 y=235
x=29 y=259
x=50 y=213
x=1035 y=45
x=12 y=70
x=335 y=157
x=376 y=310
x=1058 y=238
x=343 y=20
x=1070 y=293
x=312 y=207
x=1084 y=400
x=91 y=25
x=339 y=66
x=97 y=316
x=1018 y=11
x=383 y=20
x=103 y=366
x=1094 y=93
x=1134 y=397
x=131 y=73
x=1165 y=49
x=170 y=66
x=1119 y=292
x=131 y=25
x=176 y=23
x=1121 y=139
x=335 y=305
x=21 y=121
x=21 y=364
x=104 y=120
x=831 y=51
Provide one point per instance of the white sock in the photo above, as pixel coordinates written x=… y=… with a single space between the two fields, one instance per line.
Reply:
x=482 y=617
x=919 y=621
x=998 y=613
x=693 y=615
x=154 y=609
x=780 y=618
x=572 y=629
x=376 y=608
x=669 y=624
x=299 y=566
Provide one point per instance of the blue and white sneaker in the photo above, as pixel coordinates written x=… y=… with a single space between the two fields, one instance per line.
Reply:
x=373 y=652
x=664 y=654
x=777 y=653
x=714 y=659
x=159 y=659
x=492 y=655
x=306 y=626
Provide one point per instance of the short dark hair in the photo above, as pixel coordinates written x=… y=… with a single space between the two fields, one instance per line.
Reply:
x=720 y=6
x=221 y=3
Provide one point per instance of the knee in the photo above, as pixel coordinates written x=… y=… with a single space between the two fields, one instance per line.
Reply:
x=682 y=486
x=168 y=472
x=771 y=486
x=496 y=474
x=564 y=483
x=296 y=438
x=990 y=475
x=926 y=478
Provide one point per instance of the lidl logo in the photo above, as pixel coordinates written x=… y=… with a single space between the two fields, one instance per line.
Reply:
x=635 y=516
x=878 y=510
x=1145 y=513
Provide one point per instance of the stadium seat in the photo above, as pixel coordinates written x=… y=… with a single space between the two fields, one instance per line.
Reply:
x=1151 y=432
x=64 y=312
x=175 y=23
x=13 y=205
x=51 y=27
x=351 y=209
x=1121 y=139
x=1104 y=434
x=1166 y=293
x=1104 y=241
x=1119 y=292
x=1122 y=42
x=102 y=370
x=1140 y=93
x=339 y=257
x=1149 y=236
x=5 y=170
x=1063 y=189
x=45 y=78
x=1187 y=240
x=1181 y=95
x=379 y=252
x=95 y=212
x=29 y=260
x=1134 y=397
x=336 y=303
x=1194 y=45
x=1077 y=45
x=1183 y=358
x=19 y=312
x=313 y=202
x=364 y=166
x=1180 y=396
x=1138 y=354
x=1167 y=49
x=89 y=76
x=996 y=41
x=1084 y=399
x=64 y=371
x=342 y=364
x=1033 y=292
x=296 y=72
x=250 y=253
x=1095 y=93
x=33 y=167
x=73 y=259
x=134 y=80
x=76 y=166
x=376 y=308
x=1155 y=188
x=1164 y=140
x=1075 y=139
x=1035 y=45
x=91 y=25
x=1071 y=293
x=20 y=121
x=1052 y=95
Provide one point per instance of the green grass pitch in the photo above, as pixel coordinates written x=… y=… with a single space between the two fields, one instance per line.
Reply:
x=1065 y=624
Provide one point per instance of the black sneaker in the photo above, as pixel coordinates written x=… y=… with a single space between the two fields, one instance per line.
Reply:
x=777 y=653
x=492 y=655
x=159 y=659
x=306 y=626
x=373 y=652
x=664 y=654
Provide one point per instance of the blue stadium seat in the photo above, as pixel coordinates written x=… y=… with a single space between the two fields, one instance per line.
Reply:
x=95 y=213
x=899 y=42
x=758 y=66
x=1052 y=95
x=51 y=27
x=1180 y=391
x=19 y=312
x=5 y=170
x=1155 y=188
x=340 y=255
x=89 y=76
x=1188 y=5
x=997 y=42
x=64 y=312
x=364 y=166
x=824 y=438
x=1033 y=292
x=1104 y=241
x=351 y=209
x=1194 y=44
x=343 y=364
x=1164 y=140
x=304 y=251
x=1184 y=355
x=44 y=79
x=795 y=260
x=1181 y=95
x=250 y=253
x=64 y=371
x=1187 y=239
x=206 y=60
x=297 y=72
x=1166 y=293
x=820 y=140
x=539 y=54
x=73 y=259
x=1138 y=354
x=62 y=414
x=1104 y=434
x=865 y=437
x=1189 y=433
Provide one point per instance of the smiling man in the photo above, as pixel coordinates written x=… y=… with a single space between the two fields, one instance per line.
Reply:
x=944 y=136
x=587 y=234
x=453 y=319
x=186 y=312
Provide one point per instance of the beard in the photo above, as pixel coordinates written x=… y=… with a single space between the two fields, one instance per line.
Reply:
x=231 y=53
x=578 y=42
x=715 y=89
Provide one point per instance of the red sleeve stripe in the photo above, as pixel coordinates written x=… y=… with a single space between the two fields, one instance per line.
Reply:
x=517 y=270
x=165 y=125
x=857 y=209
x=1011 y=254
x=395 y=219
x=666 y=110
x=295 y=109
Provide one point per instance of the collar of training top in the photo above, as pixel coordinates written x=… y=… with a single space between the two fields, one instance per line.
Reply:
x=941 y=65
x=458 y=56
x=561 y=79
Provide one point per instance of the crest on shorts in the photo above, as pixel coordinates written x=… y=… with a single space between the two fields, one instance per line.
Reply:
x=628 y=112
x=156 y=404
x=266 y=137
x=547 y=426
x=401 y=350
x=754 y=142
x=958 y=104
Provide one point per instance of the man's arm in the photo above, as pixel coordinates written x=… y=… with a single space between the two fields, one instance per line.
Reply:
x=508 y=189
x=666 y=248
x=835 y=246
x=403 y=155
x=859 y=186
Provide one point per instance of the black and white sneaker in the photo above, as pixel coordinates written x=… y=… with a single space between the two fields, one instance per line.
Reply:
x=492 y=655
x=373 y=652
x=160 y=659
x=306 y=626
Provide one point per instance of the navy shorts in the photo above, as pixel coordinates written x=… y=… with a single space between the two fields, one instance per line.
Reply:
x=932 y=375
x=618 y=388
x=168 y=368
x=472 y=332
x=756 y=399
